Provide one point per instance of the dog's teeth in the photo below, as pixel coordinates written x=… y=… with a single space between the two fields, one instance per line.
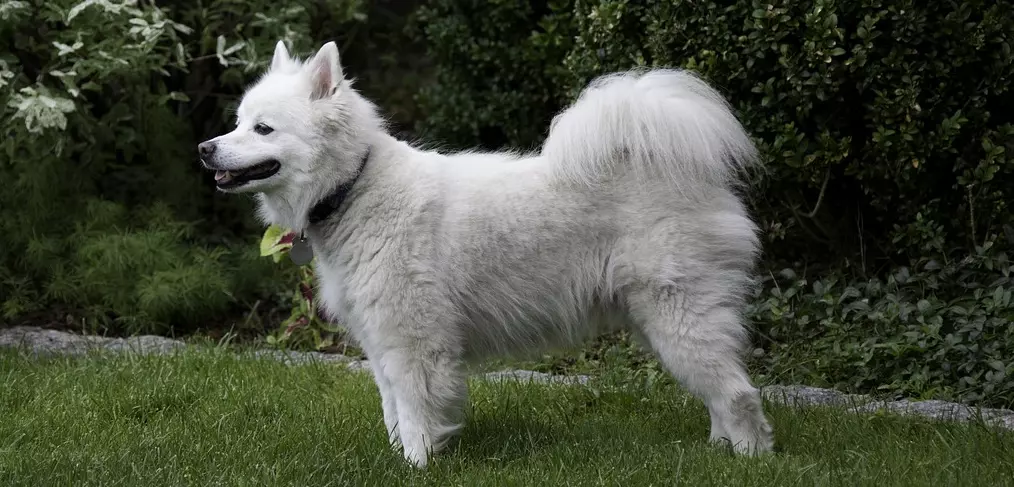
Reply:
x=221 y=175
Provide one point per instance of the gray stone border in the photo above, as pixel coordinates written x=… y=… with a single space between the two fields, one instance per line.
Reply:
x=45 y=342
x=805 y=396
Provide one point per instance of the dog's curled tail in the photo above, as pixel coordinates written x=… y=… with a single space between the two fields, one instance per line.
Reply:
x=662 y=124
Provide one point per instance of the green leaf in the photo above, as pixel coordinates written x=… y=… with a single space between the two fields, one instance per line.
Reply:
x=276 y=239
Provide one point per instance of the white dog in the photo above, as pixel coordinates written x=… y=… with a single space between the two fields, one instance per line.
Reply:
x=627 y=219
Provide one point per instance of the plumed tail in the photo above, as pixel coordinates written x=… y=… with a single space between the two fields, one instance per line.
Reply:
x=662 y=125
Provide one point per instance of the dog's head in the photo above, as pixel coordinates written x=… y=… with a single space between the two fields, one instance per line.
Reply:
x=287 y=126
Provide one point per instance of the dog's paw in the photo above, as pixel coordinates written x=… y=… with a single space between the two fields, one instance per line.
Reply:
x=761 y=444
x=417 y=458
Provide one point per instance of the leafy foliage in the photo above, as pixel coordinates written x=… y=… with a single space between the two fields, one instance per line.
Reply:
x=933 y=330
x=494 y=75
x=106 y=213
x=304 y=327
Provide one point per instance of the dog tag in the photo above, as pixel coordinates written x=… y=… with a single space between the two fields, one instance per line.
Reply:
x=301 y=253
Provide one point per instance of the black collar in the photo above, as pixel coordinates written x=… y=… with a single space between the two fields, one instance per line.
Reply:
x=325 y=207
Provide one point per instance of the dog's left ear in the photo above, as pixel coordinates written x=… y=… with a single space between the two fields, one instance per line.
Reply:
x=281 y=58
x=325 y=72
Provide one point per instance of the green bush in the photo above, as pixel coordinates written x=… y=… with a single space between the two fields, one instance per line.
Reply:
x=886 y=132
x=107 y=219
x=495 y=76
x=936 y=329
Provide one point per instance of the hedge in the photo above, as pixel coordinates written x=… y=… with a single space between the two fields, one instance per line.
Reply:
x=108 y=223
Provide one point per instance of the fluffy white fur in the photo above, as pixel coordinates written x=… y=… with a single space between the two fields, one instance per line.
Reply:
x=627 y=219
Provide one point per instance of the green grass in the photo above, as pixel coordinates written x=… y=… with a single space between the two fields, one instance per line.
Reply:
x=208 y=418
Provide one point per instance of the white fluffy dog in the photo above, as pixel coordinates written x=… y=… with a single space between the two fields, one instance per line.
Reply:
x=627 y=219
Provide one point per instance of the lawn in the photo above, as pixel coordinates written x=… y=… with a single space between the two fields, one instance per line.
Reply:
x=205 y=417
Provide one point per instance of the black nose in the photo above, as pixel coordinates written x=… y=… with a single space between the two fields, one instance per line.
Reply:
x=206 y=148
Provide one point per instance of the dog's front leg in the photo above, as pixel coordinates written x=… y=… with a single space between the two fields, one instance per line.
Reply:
x=430 y=389
x=387 y=401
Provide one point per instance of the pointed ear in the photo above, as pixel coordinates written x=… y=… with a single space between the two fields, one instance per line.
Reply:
x=325 y=72
x=281 y=57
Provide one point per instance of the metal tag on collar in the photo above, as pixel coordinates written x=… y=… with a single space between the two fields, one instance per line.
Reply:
x=301 y=253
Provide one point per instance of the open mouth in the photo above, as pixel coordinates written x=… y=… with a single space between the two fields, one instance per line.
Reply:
x=235 y=178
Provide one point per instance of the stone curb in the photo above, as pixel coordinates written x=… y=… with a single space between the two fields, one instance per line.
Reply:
x=44 y=342
x=803 y=396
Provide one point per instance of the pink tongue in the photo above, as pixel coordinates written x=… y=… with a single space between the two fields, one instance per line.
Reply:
x=220 y=175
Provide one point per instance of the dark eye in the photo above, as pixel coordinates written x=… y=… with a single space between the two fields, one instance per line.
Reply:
x=263 y=129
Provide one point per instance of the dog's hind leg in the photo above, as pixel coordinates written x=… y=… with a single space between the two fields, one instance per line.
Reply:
x=430 y=390
x=696 y=330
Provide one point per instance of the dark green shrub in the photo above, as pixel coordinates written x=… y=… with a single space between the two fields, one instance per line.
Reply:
x=936 y=329
x=495 y=67
x=106 y=216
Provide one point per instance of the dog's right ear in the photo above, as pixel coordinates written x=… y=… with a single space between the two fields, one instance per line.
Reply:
x=325 y=72
x=281 y=57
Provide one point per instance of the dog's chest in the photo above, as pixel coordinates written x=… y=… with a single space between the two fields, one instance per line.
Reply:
x=332 y=292
x=351 y=285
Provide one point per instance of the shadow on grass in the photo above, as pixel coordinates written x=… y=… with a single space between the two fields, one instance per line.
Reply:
x=502 y=440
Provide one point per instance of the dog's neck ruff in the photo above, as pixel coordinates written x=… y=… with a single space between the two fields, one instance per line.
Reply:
x=330 y=203
x=301 y=252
